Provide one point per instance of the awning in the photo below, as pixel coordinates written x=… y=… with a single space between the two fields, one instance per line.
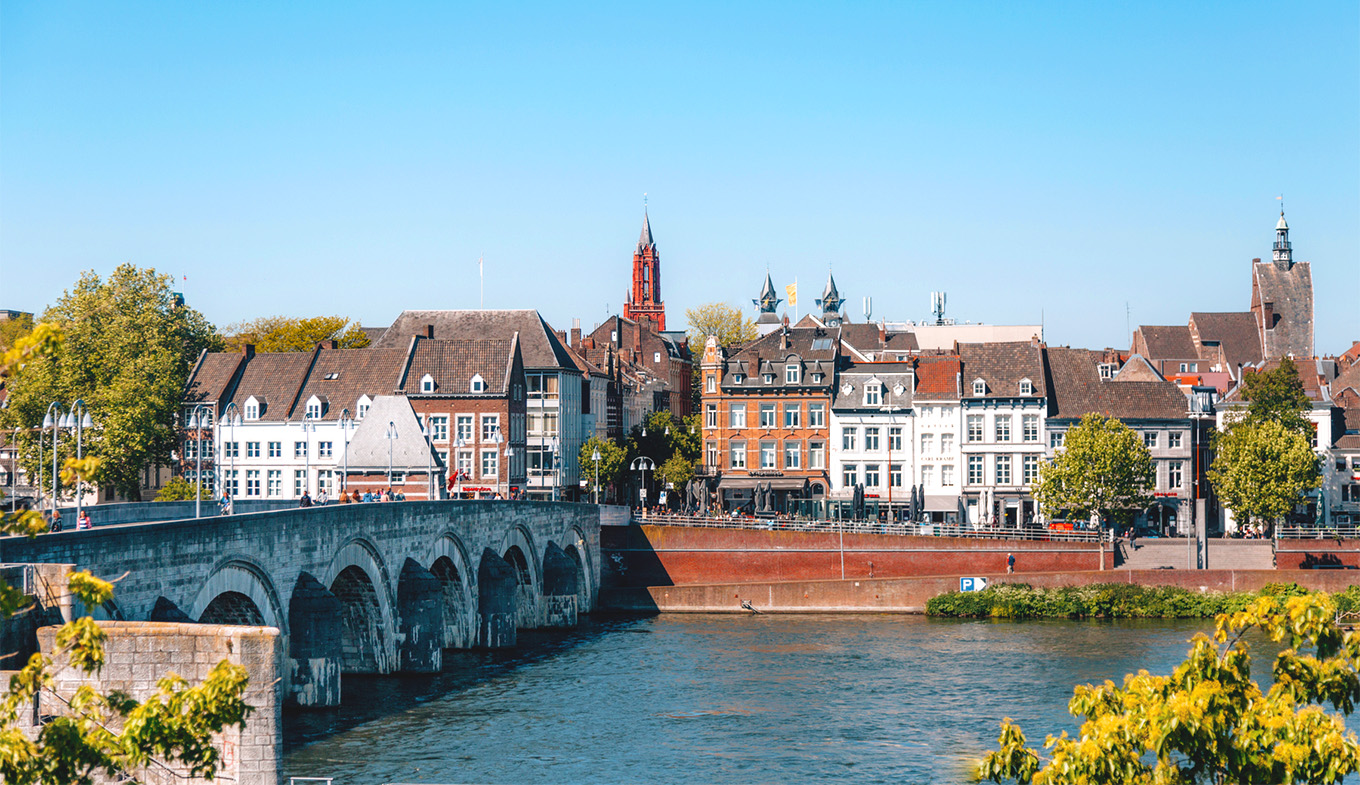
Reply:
x=941 y=503
x=777 y=483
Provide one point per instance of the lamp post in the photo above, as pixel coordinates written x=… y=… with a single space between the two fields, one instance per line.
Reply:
x=391 y=435
x=199 y=417
x=889 y=409
x=429 y=461
x=308 y=426
x=595 y=456
x=346 y=422
x=498 y=440
x=78 y=423
x=641 y=465
x=458 y=444
x=233 y=415
x=55 y=424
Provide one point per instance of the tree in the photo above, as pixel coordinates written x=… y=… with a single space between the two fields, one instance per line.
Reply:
x=676 y=471
x=130 y=343
x=1277 y=395
x=179 y=489
x=1103 y=468
x=611 y=461
x=290 y=334
x=1262 y=469
x=108 y=734
x=1209 y=722
x=726 y=322
x=11 y=330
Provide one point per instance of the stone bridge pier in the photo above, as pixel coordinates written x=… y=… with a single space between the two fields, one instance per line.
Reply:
x=359 y=588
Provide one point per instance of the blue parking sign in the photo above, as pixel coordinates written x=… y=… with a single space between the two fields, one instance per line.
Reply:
x=972 y=584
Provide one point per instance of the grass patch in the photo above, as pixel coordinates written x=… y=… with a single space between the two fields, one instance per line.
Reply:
x=1109 y=601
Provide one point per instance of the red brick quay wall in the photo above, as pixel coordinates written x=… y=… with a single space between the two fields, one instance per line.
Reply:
x=909 y=595
x=679 y=555
x=1317 y=554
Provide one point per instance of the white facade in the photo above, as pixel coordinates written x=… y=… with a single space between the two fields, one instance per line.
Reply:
x=1003 y=443
x=873 y=429
x=279 y=460
x=938 y=452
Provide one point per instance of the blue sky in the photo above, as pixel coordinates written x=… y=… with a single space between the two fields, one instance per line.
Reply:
x=1054 y=161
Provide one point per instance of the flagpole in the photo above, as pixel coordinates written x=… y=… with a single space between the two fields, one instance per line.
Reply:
x=481 y=284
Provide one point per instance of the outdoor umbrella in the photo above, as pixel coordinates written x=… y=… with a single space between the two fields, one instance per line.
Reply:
x=911 y=506
x=963 y=512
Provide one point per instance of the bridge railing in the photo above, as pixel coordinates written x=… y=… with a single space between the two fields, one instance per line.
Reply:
x=873 y=527
x=1317 y=532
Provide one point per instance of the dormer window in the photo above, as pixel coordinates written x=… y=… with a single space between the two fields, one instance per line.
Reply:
x=1106 y=370
x=768 y=378
x=816 y=378
x=315 y=408
x=252 y=408
x=656 y=358
x=873 y=394
x=478 y=384
x=427 y=383
x=1026 y=387
x=979 y=387
x=738 y=378
x=362 y=407
x=792 y=373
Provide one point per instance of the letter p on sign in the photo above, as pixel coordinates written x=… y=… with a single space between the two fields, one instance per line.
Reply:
x=972 y=584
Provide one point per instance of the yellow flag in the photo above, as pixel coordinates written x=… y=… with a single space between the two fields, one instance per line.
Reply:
x=792 y=291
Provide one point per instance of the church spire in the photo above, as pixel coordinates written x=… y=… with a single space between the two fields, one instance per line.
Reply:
x=831 y=302
x=645 y=239
x=1283 y=254
x=768 y=301
x=644 y=302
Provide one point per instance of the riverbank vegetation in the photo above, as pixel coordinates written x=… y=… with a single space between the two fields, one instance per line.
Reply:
x=1110 y=601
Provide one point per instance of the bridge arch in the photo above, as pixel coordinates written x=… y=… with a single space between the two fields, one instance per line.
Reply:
x=517 y=548
x=239 y=591
x=449 y=562
x=358 y=577
x=574 y=544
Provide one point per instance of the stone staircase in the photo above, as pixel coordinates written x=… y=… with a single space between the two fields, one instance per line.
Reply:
x=1172 y=553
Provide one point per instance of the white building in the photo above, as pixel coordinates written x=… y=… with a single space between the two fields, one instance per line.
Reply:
x=1003 y=406
x=872 y=432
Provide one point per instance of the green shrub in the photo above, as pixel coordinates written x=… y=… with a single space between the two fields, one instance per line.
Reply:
x=1109 y=601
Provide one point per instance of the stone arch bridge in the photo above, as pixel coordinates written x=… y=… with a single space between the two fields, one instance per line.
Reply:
x=357 y=588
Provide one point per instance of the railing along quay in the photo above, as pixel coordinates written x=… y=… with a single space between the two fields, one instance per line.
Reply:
x=1317 y=532
x=873 y=527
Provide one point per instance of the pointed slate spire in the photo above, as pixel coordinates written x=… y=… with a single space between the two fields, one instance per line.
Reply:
x=769 y=301
x=645 y=239
x=831 y=301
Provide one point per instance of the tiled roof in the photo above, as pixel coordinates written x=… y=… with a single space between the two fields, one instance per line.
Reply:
x=1236 y=332
x=1350 y=438
x=211 y=376
x=770 y=351
x=1078 y=389
x=275 y=378
x=937 y=378
x=1002 y=366
x=1351 y=356
x=1318 y=377
x=892 y=375
x=1171 y=342
x=538 y=345
x=1291 y=292
x=340 y=377
x=866 y=338
x=1348 y=378
x=370 y=445
x=452 y=364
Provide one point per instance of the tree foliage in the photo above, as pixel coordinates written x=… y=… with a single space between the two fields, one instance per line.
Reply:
x=1262 y=469
x=291 y=334
x=178 y=489
x=11 y=330
x=1277 y=395
x=728 y=323
x=130 y=344
x=676 y=471
x=100 y=735
x=1209 y=721
x=612 y=456
x=1103 y=468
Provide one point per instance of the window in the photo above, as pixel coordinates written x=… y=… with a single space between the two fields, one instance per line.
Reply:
x=1150 y=440
x=737 y=455
x=276 y=449
x=738 y=378
x=816 y=415
x=1029 y=428
x=946 y=443
x=463 y=428
x=324 y=449
x=231 y=449
x=848 y=438
x=656 y=358
x=1031 y=469
x=792 y=373
x=464 y=466
x=927 y=475
x=711 y=454
x=1189 y=367
x=793 y=455
x=767 y=416
x=398 y=478
x=895 y=475
x=325 y=481
x=1003 y=427
x=1026 y=387
x=975 y=470
x=362 y=407
x=1106 y=370
x=711 y=415
x=543 y=424
x=849 y=475
x=816 y=455
x=252 y=482
x=252 y=449
x=427 y=384
x=441 y=457
x=871 y=475
x=1175 y=474
x=768 y=455
x=252 y=410
x=229 y=481
x=895 y=437
x=979 y=387
x=927 y=443
x=768 y=378
x=490 y=464
x=947 y=475
x=711 y=384
x=439 y=428
x=793 y=415
x=491 y=426
x=1056 y=439
x=299 y=449
x=736 y=416
x=275 y=486
x=1003 y=470
x=314 y=409
x=540 y=461
x=299 y=482
x=871 y=439
x=873 y=395
x=477 y=385
x=816 y=378
x=974 y=427
x=542 y=386
x=1174 y=439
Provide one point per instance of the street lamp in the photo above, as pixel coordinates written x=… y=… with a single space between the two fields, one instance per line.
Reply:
x=55 y=424
x=391 y=435
x=199 y=417
x=233 y=416
x=642 y=464
x=498 y=440
x=458 y=444
x=889 y=409
x=78 y=423
x=346 y=422
x=429 y=461
x=595 y=456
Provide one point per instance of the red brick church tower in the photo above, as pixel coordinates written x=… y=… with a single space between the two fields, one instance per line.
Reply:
x=644 y=300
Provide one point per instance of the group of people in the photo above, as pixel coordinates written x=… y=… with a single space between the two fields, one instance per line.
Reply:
x=54 y=523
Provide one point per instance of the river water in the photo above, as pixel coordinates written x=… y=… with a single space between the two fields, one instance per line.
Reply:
x=725 y=699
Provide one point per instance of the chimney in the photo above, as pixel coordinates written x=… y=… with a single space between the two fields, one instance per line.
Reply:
x=330 y=344
x=561 y=335
x=882 y=333
x=1268 y=315
x=248 y=350
x=576 y=336
x=429 y=331
x=1256 y=260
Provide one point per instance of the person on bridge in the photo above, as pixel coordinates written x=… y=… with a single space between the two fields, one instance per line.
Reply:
x=224 y=504
x=1010 y=563
x=305 y=501
x=322 y=498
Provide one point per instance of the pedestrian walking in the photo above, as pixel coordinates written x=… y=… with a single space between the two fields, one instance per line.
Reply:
x=1010 y=563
